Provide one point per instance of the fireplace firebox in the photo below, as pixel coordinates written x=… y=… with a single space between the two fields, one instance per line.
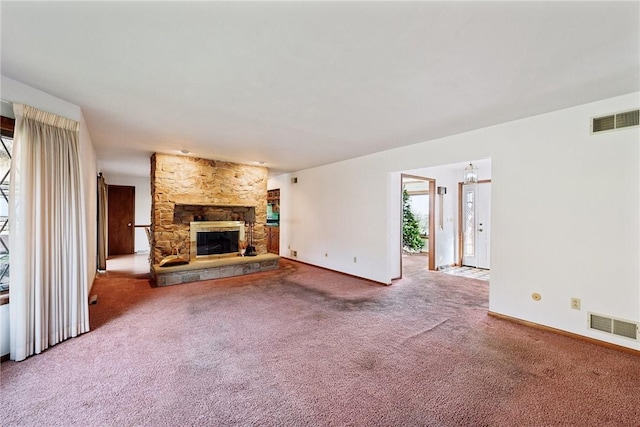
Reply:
x=215 y=239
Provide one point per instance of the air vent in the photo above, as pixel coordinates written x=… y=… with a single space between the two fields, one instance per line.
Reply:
x=630 y=118
x=615 y=121
x=613 y=326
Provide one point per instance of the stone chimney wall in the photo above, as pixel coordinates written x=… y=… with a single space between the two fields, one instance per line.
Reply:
x=185 y=189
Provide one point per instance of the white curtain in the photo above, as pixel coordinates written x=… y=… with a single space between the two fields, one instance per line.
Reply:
x=47 y=289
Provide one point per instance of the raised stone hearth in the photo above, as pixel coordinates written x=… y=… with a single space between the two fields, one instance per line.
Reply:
x=213 y=269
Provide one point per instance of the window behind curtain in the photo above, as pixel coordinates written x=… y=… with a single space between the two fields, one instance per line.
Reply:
x=5 y=168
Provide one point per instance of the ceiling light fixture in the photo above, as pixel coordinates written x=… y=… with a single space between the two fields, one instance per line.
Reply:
x=470 y=174
x=184 y=151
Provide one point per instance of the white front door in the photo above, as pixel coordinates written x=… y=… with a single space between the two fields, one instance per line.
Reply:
x=476 y=225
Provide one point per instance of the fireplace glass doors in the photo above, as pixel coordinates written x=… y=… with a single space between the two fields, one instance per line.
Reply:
x=215 y=239
x=216 y=242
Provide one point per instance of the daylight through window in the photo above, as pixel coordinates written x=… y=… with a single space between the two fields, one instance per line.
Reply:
x=5 y=169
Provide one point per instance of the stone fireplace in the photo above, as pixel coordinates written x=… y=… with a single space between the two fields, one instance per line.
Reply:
x=186 y=190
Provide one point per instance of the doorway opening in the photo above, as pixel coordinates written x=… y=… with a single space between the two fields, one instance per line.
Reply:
x=446 y=217
x=418 y=196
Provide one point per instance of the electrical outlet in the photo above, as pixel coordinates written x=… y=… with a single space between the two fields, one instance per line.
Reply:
x=575 y=303
x=294 y=253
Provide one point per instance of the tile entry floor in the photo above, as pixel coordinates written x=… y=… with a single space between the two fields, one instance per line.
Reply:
x=464 y=271
x=474 y=273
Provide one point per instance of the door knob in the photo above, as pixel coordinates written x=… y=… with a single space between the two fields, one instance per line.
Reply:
x=129 y=225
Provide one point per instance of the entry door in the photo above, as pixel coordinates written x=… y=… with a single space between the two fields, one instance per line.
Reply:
x=476 y=225
x=121 y=213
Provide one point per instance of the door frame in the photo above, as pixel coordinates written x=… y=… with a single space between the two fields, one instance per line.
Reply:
x=460 y=227
x=432 y=219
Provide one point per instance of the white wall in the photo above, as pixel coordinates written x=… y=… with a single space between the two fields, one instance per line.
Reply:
x=340 y=210
x=565 y=214
x=17 y=92
x=90 y=186
x=142 y=207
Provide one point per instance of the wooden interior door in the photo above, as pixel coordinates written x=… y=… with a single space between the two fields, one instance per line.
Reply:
x=121 y=214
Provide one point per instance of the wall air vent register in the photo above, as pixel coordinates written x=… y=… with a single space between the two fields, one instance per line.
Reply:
x=623 y=328
x=616 y=121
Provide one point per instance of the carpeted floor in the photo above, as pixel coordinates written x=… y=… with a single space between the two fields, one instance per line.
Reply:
x=305 y=346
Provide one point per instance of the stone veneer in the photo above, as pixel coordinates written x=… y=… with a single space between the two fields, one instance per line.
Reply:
x=184 y=189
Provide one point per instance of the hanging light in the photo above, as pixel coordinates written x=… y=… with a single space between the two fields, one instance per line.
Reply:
x=470 y=174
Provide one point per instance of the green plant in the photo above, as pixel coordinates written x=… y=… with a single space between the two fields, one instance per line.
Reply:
x=410 y=227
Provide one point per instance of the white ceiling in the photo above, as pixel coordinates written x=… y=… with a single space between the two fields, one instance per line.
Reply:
x=303 y=84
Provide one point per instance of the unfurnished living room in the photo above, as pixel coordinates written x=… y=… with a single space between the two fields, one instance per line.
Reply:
x=360 y=213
